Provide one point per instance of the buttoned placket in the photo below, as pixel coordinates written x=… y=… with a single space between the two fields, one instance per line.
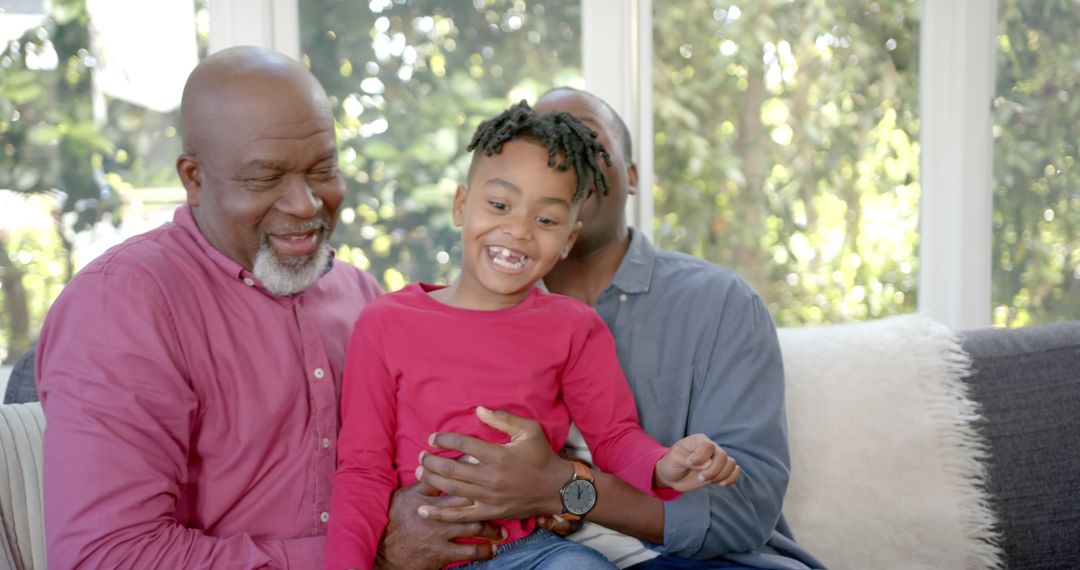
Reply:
x=322 y=396
x=610 y=305
x=623 y=315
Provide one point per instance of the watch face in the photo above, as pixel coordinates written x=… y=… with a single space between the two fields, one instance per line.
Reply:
x=578 y=496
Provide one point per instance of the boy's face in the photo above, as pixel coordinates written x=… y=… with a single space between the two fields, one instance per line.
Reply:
x=517 y=220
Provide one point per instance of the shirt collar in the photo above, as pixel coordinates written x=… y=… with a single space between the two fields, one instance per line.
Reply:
x=184 y=218
x=636 y=270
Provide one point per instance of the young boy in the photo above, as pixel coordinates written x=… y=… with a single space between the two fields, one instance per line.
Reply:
x=429 y=358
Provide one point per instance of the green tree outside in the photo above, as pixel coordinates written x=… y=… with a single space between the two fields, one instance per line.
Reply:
x=411 y=82
x=1036 y=264
x=57 y=157
x=50 y=145
x=786 y=148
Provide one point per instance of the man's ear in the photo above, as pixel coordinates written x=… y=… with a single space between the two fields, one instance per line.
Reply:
x=459 y=205
x=631 y=178
x=188 y=169
x=570 y=240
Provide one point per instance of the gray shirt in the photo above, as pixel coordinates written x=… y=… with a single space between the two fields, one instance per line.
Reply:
x=701 y=355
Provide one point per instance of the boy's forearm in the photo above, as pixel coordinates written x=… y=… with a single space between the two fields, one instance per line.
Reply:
x=625 y=509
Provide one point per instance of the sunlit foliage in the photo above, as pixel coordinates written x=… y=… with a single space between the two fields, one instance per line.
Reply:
x=787 y=149
x=786 y=143
x=1036 y=264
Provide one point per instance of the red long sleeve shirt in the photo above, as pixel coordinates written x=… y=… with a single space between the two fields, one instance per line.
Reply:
x=416 y=366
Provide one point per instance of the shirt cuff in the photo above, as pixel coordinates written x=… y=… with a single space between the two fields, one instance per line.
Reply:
x=666 y=493
x=686 y=522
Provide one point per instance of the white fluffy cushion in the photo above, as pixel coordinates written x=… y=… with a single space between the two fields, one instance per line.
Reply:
x=886 y=466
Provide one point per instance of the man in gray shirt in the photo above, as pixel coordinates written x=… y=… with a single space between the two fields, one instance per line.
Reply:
x=701 y=355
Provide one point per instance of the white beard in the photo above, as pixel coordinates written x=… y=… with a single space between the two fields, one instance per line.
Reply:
x=292 y=274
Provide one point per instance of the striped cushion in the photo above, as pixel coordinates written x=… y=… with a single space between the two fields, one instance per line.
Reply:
x=23 y=539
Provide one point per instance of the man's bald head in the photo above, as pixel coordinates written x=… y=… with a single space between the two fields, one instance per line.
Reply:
x=604 y=218
x=604 y=109
x=240 y=78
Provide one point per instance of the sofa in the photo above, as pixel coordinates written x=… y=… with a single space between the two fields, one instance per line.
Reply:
x=1028 y=384
x=912 y=447
x=917 y=447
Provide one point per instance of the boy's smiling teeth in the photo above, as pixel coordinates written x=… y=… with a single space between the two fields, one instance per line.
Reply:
x=503 y=257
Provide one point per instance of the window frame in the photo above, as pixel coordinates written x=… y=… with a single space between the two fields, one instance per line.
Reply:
x=956 y=160
x=956 y=140
x=273 y=24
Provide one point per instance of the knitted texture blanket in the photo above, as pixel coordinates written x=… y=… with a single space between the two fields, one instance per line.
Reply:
x=887 y=469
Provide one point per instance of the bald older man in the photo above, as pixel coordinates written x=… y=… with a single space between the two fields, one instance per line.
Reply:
x=189 y=376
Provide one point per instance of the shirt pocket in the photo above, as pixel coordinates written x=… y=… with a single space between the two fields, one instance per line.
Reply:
x=663 y=404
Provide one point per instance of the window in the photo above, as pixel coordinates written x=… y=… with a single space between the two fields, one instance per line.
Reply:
x=410 y=83
x=1036 y=249
x=785 y=136
x=88 y=138
x=786 y=148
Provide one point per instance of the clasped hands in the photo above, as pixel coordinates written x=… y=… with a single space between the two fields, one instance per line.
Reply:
x=514 y=480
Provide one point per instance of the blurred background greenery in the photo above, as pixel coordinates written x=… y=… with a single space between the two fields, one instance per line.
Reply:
x=786 y=143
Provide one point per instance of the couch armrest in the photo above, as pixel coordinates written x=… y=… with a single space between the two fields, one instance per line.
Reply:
x=1027 y=381
x=21 y=428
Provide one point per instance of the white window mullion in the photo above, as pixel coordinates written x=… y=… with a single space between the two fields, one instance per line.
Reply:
x=616 y=51
x=956 y=88
x=642 y=204
x=273 y=24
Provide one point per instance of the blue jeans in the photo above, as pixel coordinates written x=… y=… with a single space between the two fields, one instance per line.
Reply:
x=543 y=550
x=667 y=562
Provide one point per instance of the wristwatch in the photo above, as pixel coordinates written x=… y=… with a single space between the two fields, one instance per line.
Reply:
x=578 y=494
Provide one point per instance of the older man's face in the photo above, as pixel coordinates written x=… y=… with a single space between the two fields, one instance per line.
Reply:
x=269 y=186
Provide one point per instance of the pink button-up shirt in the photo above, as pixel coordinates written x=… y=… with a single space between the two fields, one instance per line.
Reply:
x=191 y=416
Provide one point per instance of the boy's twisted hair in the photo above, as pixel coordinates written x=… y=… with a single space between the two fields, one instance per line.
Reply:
x=562 y=133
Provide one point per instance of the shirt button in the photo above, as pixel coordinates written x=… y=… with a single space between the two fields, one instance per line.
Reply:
x=325 y=516
x=319 y=373
x=326 y=442
x=249 y=282
x=622 y=297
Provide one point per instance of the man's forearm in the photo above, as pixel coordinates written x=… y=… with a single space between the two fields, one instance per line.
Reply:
x=625 y=509
x=179 y=547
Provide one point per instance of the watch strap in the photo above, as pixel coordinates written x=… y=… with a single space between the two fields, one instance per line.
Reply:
x=582 y=471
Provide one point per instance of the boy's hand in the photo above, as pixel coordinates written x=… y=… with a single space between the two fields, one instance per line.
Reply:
x=694 y=462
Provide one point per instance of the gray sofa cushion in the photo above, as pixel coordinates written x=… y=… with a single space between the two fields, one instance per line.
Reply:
x=21 y=387
x=1028 y=382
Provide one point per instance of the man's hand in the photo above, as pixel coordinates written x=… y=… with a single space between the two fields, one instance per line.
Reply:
x=515 y=480
x=694 y=462
x=410 y=542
